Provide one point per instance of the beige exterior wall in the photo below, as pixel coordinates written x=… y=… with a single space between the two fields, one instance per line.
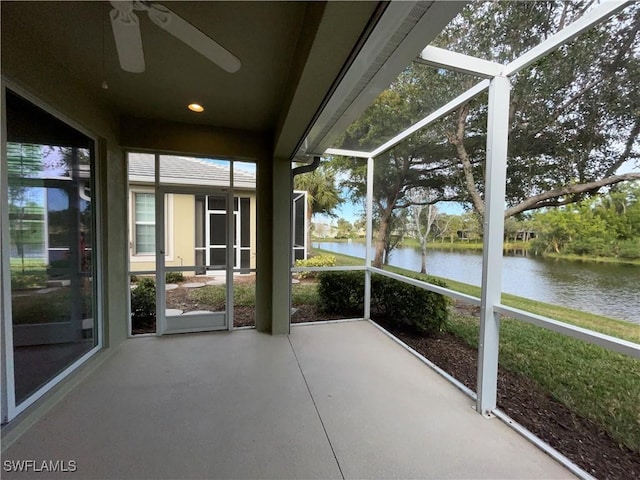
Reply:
x=180 y=239
x=182 y=232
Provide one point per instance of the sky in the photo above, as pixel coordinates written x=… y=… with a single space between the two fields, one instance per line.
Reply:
x=351 y=212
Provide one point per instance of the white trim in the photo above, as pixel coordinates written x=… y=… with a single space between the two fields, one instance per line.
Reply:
x=491 y=288
x=40 y=392
x=169 y=212
x=369 y=239
x=328 y=269
x=458 y=384
x=591 y=336
x=327 y=322
x=432 y=117
x=541 y=444
x=405 y=48
x=304 y=222
x=463 y=297
x=606 y=341
x=7 y=387
x=346 y=153
x=458 y=62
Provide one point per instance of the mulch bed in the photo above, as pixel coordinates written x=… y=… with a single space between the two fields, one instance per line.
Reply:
x=579 y=439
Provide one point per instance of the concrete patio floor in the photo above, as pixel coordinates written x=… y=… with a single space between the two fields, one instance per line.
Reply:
x=335 y=400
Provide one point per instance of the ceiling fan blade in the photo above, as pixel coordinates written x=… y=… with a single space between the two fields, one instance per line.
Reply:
x=190 y=35
x=126 y=31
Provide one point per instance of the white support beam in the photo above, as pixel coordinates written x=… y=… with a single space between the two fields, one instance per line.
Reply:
x=463 y=297
x=597 y=15
x=346 y=153
x=402 y=31
x=458 y=62
x=438 y=114
x=606 y=341
x=339 y=268
x=7 y=375
x=369 y=228
x=495 y=185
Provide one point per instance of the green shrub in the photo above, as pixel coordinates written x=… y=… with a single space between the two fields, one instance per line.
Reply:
x=341 y=292
x=143 y=304
x=590 y=246
x=408 y=305
x=398 y=302
x=304 y=294
x=211 y=297
x=174 y=277
x=315 y=261
x=21 y=281
x=629 y=249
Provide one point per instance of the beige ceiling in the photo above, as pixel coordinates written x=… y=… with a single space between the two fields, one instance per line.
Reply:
x=292 y=53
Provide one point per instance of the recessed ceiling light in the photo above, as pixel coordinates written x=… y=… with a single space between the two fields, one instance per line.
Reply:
x=194 y=107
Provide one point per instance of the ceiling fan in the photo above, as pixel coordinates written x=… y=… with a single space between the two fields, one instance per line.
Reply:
x=126 y=31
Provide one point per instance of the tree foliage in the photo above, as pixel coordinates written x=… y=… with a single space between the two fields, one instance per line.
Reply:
x=323 y=195
x=574 y=116
x=607 y=226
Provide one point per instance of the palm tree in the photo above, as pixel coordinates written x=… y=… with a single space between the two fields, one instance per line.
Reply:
x=322 y=194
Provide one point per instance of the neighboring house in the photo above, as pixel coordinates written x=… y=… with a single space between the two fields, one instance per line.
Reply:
x=324 y=230
x=195 y=223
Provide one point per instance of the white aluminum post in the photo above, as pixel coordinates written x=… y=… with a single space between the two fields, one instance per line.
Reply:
x=369 y=230
x=305 y=199
x=495 y=180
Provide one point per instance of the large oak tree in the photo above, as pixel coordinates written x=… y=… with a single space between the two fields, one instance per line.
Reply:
x=574 y=115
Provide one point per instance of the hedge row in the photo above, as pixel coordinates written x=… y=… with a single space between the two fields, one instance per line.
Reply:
x=397 y=302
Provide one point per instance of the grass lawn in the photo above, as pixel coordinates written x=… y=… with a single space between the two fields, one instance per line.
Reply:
x=593 y=382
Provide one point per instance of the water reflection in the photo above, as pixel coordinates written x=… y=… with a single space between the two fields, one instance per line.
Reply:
x=612 y=290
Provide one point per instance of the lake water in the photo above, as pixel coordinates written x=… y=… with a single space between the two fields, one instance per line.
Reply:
x=612 y=290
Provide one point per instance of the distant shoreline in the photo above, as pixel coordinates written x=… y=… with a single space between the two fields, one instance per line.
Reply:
x=507 y=246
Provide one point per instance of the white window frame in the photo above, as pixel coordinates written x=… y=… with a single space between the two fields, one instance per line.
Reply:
x=137 y=223
x=135 y=257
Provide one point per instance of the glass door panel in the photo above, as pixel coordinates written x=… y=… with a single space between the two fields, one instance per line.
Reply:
x=192 y=238
x=51 y=245
x=194 y=302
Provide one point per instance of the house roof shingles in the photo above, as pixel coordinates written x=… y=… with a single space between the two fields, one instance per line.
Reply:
x=179 y=170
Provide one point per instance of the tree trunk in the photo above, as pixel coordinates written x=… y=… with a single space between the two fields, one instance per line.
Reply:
x=378 y=259
x=423 y=258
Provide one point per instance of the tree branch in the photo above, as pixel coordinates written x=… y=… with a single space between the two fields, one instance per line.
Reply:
x=457 y=139
x=552 y=197
x=633 y=136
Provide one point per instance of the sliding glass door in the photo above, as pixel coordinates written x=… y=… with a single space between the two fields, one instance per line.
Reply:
x=49 y=249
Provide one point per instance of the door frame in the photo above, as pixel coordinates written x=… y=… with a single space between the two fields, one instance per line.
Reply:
x=161 y=191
